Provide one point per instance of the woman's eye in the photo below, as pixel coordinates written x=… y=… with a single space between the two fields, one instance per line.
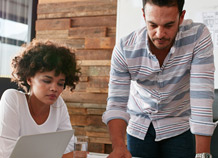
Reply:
x=61 y=84
x=46 y=81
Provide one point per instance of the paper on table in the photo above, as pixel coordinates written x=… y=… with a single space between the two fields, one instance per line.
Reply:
x=99 y=155
x=96 y=155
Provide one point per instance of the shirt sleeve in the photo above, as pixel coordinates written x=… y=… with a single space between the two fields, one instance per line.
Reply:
x=119 y=86
x=9 y=122
x=202 y=85
x=65 y=124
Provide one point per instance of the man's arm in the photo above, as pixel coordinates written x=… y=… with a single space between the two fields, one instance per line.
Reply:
x=202 y=144
x=117 y=130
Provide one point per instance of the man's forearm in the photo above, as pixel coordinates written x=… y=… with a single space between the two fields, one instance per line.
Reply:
x=202 y=144
x=117 y=130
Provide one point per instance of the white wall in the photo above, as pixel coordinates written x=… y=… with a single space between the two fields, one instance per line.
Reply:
x=130 y=17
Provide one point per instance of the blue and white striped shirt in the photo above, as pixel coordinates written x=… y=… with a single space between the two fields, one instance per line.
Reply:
x=175 y=97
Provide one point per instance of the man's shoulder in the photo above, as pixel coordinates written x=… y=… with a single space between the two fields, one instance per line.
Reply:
x=134 y=37
x=189 y=25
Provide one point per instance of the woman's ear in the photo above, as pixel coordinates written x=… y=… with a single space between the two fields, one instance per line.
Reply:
x=28 y=80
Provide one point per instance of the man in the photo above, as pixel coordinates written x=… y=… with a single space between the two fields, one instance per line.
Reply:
x=162 y=87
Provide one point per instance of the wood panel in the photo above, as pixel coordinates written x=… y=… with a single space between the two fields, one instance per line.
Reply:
x=76 y=8
x=95 y=70
x=94 y=62
x=100 y=43
x=83 y=32
x=75 y=43
x=83 y=97
x=111 y=32
x=52 y=34
x=86 y=120
x=108 y=21
x=86 y=105
x=63 y=1
x=96 y=54
x=53 y=24
x=88 y=27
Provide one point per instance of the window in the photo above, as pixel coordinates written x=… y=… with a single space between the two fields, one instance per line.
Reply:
x=17 y=21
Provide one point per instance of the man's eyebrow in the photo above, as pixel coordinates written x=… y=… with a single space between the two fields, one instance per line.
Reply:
x=152 y=22
x=169 y=23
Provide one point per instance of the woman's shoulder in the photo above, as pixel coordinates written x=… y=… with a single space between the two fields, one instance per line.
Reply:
x=12 y=93
x=12 y=99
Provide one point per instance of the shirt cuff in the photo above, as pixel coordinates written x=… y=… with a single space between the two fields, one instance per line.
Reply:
x=202 y=128
x=115 y=114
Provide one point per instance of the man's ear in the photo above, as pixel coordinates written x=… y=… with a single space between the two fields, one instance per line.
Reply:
x=181 y=18
x=143 y=12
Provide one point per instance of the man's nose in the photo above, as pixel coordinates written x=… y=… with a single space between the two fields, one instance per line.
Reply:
x=160 y=32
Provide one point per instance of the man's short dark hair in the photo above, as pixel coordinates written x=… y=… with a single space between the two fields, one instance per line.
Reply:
x=168 y=3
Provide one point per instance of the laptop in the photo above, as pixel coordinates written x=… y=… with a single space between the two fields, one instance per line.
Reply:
x=44 y=145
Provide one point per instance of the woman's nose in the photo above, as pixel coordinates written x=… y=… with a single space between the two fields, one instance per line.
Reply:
x=54 y=87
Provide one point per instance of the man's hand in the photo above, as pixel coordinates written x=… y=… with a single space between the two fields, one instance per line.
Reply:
x=120 y=152
x=68 y=155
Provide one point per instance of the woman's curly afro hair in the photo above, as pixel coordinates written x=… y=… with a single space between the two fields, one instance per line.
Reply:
x=41 y=56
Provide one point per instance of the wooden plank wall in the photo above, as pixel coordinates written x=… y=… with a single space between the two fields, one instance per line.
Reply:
x=89 y=26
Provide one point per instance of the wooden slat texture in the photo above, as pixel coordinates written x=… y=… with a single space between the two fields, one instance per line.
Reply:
x=78 y=111
x=108 y=21
x=53 y=24
x=95 y=111
x=100 y=140
x=58 y=1
x=90 y=87
x=84 y=97
x=76 y=9
x=93 y=147
x=100 y=43
x=84 y=79
x=94 y=54
x=94 y=62
x=88 y=120
x=83 y=32
x=95 y=70
x=75 y=43
x=97 y=134
x=96 y=128
x=85 y=111
x=52 y=34
x=111 y=32
x=88 y=27
x=86 y=105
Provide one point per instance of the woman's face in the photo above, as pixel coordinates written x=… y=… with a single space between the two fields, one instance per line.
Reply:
x=45 y=87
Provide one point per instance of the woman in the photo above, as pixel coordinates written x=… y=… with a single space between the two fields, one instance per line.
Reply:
x=43 y=69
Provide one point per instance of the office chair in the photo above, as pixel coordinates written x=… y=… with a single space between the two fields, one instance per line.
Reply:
x=5 y=83
x=214 y=140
